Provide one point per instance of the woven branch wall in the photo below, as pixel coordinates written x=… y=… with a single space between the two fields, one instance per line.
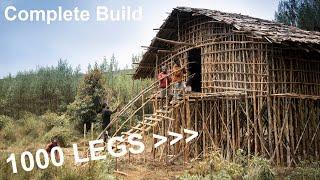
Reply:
x=279 y=115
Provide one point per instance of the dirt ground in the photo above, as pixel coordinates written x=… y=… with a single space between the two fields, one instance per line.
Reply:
x=145 y=167
x=149 y=169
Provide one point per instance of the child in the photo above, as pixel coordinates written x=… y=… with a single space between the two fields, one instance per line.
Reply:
x=177 y=77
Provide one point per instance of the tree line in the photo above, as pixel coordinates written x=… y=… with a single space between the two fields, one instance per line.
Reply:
x=54 y=88
x=304 y=14
x=47 y=88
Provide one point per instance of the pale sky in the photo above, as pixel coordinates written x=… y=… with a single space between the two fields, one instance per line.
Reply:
x=26 y=45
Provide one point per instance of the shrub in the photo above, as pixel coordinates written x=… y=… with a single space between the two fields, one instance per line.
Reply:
x=306 y=170
x=31 y=129
x=64 y=135
x=216 y=167
x=23 y=130
x=259 y=168
x=4 y=120
x=31 y=126
x=53 y=120
x=10 y=133
x=187 y=176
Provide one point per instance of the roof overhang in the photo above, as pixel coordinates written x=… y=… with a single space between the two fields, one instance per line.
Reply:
x=273 y=32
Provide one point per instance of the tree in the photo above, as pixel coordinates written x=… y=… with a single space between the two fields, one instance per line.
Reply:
x=89 y=99
x=287 y=12
x=309 y=15
x=135 y=59
x=45 y=89
x=304 y=14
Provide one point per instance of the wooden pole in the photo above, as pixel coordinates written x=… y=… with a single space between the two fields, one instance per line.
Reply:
x=92 y=130
x=84 y=130
x=173 y=42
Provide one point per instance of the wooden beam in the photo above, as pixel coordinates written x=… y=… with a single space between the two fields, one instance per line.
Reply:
x=146 y=67
x=313 y=48
x=165 y=29
x=149 y=47
x=158 y=49
x=165 y=51
x=173 y=42
x=121 y=173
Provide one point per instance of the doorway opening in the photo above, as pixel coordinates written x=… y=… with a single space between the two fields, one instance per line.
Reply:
x=194 y=69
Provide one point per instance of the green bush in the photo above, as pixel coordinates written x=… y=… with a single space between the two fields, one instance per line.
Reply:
x=4 y=120
x=32 y=126
x=187 y=176
x=54 y=120
x=64 y=135
x=305 y=170
x=259 y=168
x=10 y=133
x=214 y=166
x=31 y=130
x=22 y=130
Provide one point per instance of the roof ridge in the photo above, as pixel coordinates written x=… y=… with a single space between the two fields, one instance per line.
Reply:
x=262 y=26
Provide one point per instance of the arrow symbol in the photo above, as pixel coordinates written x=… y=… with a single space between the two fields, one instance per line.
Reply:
x=194 y=134
x=162 y=140
x=178 y=137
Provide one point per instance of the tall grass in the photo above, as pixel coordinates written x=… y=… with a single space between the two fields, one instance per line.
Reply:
x=34 y=132
x=214 y=166
x=99 y=170
x=31 y=131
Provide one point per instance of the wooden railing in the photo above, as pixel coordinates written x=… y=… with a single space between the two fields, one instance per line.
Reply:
x=151 y=88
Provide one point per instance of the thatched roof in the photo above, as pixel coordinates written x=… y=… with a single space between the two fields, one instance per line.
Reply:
x=276 y=32
x=273 y=32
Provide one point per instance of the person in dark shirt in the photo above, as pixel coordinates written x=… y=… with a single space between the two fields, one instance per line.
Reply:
x=106 y=117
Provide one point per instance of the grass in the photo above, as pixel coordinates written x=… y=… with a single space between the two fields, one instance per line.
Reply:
x=31 y=130
x=99 y=170
x=31 y=133
x=305 y=170
x=216 y=167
